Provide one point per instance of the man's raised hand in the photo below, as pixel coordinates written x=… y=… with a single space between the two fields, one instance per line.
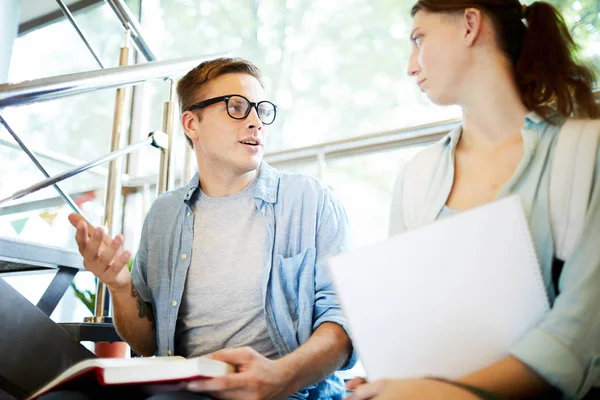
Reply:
x=102 y=255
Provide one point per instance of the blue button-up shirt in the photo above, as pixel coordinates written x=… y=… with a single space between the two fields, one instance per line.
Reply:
x=305 y=225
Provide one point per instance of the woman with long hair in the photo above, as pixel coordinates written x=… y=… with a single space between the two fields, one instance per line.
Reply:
x=512 y=70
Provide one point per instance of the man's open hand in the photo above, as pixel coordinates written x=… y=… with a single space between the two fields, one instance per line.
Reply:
x=102 y=255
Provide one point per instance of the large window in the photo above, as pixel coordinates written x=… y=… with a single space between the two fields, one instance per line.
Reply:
x=583 y=19
x=336 y=68
x=364 y=185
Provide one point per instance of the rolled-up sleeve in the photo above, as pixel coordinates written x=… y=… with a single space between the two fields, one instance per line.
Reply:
x=565 y=347
x=332 y=238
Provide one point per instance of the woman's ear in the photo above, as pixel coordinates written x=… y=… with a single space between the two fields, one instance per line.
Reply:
x=472 y=22
x=189 y=125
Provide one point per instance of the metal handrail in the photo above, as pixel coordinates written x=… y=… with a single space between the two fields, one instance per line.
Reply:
x=120 y=77
x=122 y=11
x=67 y=13
x=369 y=143
x=44 y=89
x=57 y=158
x=364 y=144
x=37 y=163
x=157 y=139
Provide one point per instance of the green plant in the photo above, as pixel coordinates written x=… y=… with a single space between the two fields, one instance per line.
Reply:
x=88 y=297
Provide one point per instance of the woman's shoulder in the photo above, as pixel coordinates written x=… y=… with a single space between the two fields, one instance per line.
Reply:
x=426 y=161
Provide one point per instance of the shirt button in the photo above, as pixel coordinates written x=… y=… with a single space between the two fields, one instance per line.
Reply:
x=174 y=303
x=189 y=214
x=170 y=352
x=184 y=256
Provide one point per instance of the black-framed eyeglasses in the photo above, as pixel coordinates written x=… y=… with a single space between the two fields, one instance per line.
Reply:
x=238 y=107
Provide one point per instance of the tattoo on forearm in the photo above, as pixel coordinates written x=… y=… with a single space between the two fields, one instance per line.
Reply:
x=144 y=309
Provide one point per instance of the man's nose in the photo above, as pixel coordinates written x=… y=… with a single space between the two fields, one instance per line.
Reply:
x=252 y=120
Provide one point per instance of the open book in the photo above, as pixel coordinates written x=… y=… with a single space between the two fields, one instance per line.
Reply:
x=156 y=373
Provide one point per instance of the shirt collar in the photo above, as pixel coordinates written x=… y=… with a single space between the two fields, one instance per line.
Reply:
x=191 y=187
x=267 y=186
x=453 y=137
x=533 y=118
x=534 y=125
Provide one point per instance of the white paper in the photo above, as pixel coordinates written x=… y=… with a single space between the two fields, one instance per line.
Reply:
x=446 y=299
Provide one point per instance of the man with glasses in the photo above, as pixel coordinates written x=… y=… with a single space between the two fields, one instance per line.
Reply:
x=233 y=264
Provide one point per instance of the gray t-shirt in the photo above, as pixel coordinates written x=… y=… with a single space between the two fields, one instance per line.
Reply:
x=222 y=305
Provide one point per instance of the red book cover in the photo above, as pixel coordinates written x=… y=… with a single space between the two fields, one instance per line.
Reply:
x=148 y=375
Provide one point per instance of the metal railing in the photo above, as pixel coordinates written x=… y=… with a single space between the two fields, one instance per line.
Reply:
x=73 y=84
x=56 y=157
x=363 y=144
x=157 y=139
x=56 y=87
x=130 y=23
x=67 y=13
x=45 y=89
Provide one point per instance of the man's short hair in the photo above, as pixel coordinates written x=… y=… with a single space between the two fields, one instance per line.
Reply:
x=189 y=88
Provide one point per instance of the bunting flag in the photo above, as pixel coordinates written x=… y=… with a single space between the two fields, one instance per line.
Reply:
x=19 y=224
x=48 y=216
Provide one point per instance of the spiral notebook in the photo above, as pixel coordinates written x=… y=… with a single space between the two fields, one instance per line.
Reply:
x=446 y=299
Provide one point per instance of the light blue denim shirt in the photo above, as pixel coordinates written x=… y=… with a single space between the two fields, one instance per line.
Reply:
x=305 y=225
x=565 y=347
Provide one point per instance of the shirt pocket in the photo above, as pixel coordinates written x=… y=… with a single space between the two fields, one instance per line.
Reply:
x=592 y=376
x=297 y=279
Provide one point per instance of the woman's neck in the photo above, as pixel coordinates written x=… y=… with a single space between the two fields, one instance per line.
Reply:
x=493 y=112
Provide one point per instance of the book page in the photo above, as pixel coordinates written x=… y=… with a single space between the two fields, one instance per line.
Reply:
x=155 y=371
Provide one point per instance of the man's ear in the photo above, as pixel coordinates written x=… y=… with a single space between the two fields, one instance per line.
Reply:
x=188 y=123
x=472 y=22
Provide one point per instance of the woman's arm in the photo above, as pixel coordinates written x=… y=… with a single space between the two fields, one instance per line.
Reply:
x=510 y=379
